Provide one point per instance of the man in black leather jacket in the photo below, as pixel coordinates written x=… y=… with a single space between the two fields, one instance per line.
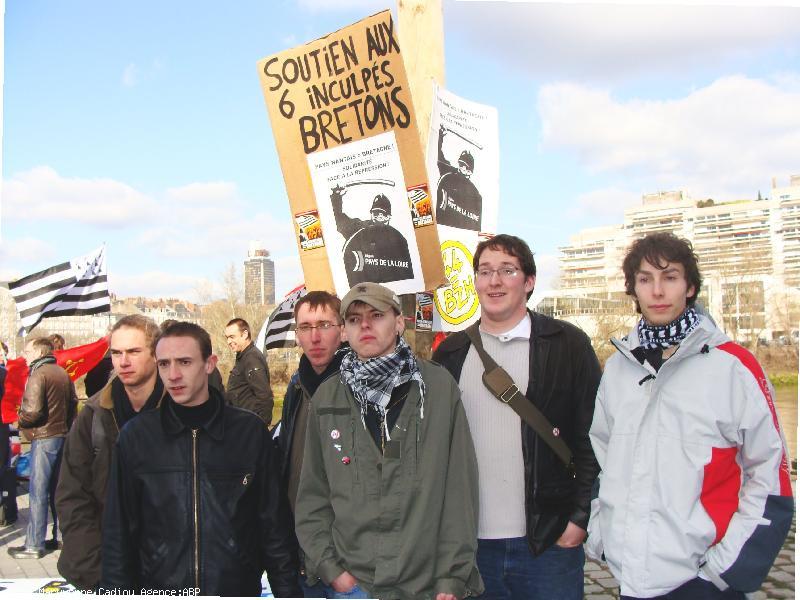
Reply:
x=248 y=382
x=534 y=510
x=193 y=501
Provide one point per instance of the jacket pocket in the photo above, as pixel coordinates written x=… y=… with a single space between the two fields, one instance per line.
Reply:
x=229 y=488
x=556 y=496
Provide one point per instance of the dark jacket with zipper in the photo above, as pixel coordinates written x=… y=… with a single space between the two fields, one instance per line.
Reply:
x=297 y=393
x=563 y=378
x=248 y=383
x=197 y=508
x=81 y=491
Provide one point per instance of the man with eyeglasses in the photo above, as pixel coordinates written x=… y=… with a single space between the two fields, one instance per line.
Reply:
x=534 y=509
x=387 y=501
x=319 y=334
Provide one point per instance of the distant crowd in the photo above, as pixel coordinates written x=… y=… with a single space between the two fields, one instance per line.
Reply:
x=490 y=471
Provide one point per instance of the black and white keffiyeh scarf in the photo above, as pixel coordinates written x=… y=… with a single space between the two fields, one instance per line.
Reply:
x=664 y=336
x=373 y=380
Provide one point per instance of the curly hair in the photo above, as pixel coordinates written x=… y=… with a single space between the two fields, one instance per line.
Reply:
x=659 y=249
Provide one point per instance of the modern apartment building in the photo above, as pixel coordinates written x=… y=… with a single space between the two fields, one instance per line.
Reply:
x=749 y=253
x=259 y=276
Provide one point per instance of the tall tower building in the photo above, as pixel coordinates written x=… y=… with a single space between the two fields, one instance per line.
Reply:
x=259 y=276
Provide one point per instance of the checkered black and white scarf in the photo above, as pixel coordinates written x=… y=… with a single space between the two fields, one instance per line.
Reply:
x=373 y=380
x=664 y=336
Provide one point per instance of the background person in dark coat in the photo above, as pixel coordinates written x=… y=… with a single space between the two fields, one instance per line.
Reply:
x=248 y=383
x=48 y=406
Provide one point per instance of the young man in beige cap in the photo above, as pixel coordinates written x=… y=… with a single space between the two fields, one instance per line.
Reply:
x=388 y=497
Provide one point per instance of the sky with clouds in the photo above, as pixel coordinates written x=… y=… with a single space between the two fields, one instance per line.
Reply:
x=142 y=124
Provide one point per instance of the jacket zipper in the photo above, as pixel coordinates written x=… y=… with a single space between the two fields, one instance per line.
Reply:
x=195 y=502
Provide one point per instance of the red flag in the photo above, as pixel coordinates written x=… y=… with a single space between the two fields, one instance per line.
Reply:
x=80 y=360
x=438 y=339
x=75 y=361
x=16 y=376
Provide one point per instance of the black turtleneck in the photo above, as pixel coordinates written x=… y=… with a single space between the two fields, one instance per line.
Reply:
x=195 y=417
x=123 y=410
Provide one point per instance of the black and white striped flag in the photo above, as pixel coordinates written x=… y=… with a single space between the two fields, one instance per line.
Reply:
x=77 y=287
x=278 y=331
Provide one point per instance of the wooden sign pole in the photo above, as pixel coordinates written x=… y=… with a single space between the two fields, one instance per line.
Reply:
x=421 y=32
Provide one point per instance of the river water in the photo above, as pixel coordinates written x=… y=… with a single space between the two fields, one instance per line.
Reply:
x=786 y=401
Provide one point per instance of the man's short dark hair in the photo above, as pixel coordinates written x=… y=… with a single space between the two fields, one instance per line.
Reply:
x=192 y=330
x=166 y=323
x=659 y=249
x=144 y=324
x=510 y=244
x=317 y=299
x=43 y=345
x=242 y=325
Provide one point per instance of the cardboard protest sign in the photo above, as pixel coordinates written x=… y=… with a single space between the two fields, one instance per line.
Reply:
x=327 y=98
x=463 y=161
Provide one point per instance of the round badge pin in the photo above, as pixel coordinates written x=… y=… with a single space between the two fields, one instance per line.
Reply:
x=345 y=460
x=335 y=434
x=556 y=431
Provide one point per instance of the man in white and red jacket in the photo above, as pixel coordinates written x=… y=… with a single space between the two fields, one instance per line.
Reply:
x=695 y=497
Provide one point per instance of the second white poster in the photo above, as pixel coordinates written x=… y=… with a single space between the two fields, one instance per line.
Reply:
x=463 y=162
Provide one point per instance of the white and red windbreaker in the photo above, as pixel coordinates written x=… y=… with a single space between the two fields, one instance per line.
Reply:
x=695 y=478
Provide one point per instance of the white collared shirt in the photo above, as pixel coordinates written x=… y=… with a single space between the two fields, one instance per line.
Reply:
x=521 y=330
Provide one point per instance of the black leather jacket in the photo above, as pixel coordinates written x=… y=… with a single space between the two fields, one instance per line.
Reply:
x=563 y=380
x=197 y=508
x=248 y=383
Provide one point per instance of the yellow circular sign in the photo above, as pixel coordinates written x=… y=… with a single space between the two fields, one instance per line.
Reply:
x=458 y=301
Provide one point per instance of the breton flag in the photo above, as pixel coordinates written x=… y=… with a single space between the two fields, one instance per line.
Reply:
x=77 y=287
x=278 y=331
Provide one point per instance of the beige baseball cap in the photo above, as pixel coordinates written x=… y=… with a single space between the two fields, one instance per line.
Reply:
x=374 y=294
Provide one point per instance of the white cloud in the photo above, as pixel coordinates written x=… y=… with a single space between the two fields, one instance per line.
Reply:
x=209 y=219
x=548 y=272
x=130 y=75
x=605 y=203
x=41 y=194
x=133 y=74
x=726 y=138
x=156 y=284
x=598 y=42
x=24 y=256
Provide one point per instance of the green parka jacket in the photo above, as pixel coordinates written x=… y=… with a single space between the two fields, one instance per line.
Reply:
x=404 y=523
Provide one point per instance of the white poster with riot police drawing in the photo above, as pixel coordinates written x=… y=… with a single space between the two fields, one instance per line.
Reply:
x=362 y=197
x=463 y=162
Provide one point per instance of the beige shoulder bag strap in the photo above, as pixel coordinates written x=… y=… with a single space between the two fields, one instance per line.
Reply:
x=504 y=389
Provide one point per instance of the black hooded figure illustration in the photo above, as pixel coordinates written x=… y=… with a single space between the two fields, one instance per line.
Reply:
x=458 y=201
x=374 y=250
